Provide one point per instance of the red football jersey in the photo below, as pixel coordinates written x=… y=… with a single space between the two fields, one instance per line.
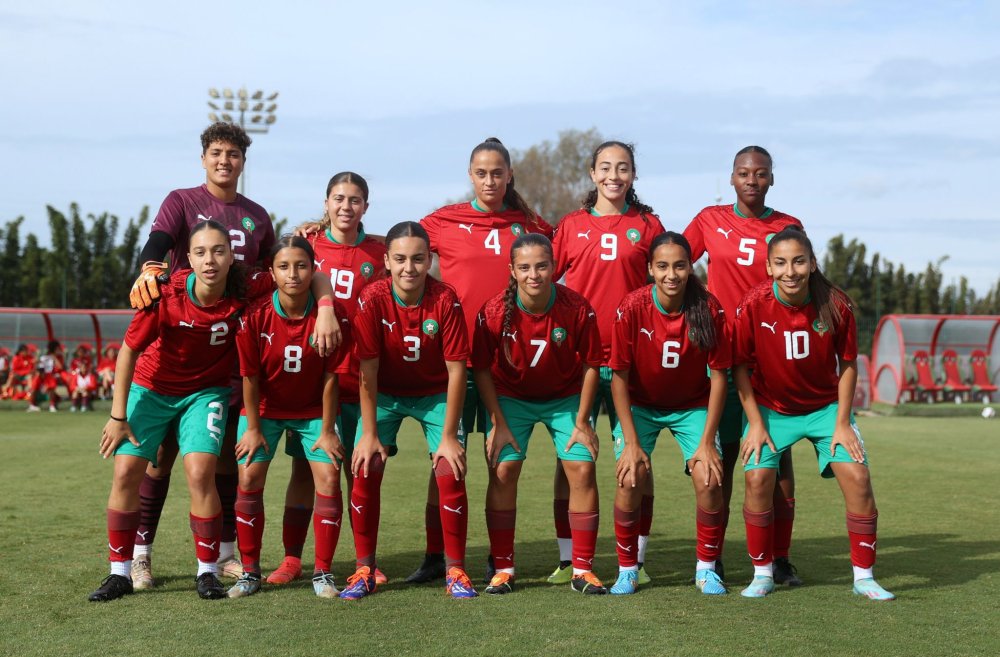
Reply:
x=604 y=258
x=548 y=350
x=186 y=347
x=351 y=267
x=473 y=248
x=667 y=370
x=736 y=247
x=279 y=351
x=21 y=365
x=412 y=343
x=794 y=355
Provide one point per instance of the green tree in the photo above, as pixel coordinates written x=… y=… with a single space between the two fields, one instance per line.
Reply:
x=555 y=177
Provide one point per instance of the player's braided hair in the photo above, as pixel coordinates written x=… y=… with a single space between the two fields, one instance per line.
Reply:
x=697 y=312
x=511 y=197
x=510 y=294
x=236 y=279
x=225 y=132
x=631 y=197
x=828 y=299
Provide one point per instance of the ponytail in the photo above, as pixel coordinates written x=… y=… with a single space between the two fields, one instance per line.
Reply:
x=511 y=197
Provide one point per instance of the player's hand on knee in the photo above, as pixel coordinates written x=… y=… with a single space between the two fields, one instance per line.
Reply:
x=499 y=438
x=146 y=289
x=251 y=441
x=452 y=452
x=331 y=445
x=757 y=436
x=115 y=432
x=849 y=439
x=711 y=464
x=584 y=434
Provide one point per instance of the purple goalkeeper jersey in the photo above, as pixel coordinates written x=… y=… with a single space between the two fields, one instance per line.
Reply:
x=250 y=228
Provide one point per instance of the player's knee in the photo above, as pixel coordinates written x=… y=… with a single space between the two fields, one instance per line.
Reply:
x=443 y=469
x=760 y=483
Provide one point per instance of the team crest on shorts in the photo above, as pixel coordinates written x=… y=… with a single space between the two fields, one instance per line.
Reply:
x=367 y=269
x=248 y=224
x=517 y=229
x=820 y=327
x=632 y=235
x=559 y=335
x=430 y=327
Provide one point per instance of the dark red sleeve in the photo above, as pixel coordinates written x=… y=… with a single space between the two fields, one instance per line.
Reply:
x=340 y=361
x=621 y=342
x=432 y=225
x=364 y=327
x=484 y=344
x=259 y=283
x=248 y=346
x=743 y=338
x=144 y=328
x=559 y=250
x=847 y=336
x=696 y=238
x=170 y=219
x=455 y=345
x=721 y=357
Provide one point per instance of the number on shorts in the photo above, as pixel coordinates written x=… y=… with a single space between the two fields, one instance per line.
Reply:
x=746 y=246
x=219 y=332
x=293 y=359
x=541 y=344
x=343 y=283
x=609 y=242
x=671 y=359
x=214 y=417
x=492 y=241
x=413 y=344
x=796 y=345
x=237 y=239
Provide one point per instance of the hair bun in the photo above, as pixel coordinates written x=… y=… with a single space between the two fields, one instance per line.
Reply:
x=492 y=140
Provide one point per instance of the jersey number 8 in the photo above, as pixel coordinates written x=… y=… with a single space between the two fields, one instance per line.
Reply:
x=293 y=359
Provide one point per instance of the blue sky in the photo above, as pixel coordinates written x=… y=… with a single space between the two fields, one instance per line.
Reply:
x=881 y=116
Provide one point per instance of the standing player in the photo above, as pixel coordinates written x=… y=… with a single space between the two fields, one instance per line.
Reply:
x=411 y=340
x=798 y=331
x=352 y=260
x=180 y=379
x=472 y=241
x=665 y=337
x=536 y=353
x=287 y=385
x=223 y=157
x=735 y=238
x=603 y=251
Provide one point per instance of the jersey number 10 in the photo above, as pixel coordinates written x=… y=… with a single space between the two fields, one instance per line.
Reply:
x=796 y=345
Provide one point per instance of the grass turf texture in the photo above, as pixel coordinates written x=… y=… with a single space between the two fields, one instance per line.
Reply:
x=939 y=551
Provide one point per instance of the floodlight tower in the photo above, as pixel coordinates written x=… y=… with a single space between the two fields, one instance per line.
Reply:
x=254 y=113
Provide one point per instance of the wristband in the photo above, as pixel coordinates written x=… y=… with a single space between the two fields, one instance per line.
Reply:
x=325 y=302
x=118 y=419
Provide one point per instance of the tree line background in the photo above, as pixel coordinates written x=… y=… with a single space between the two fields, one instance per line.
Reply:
x=90 y=263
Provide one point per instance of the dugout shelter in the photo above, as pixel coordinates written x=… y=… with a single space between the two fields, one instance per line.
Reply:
x=70 y=327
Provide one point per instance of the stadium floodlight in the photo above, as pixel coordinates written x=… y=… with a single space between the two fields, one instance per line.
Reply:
x=213 y=117
x=255 y=118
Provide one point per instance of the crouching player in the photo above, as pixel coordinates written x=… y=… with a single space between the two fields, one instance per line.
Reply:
x=536 y=354
x=287 y=385
x=665 y=338
x=411 y=340
x=798 y=332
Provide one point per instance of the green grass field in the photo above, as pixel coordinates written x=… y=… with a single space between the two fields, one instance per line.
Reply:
x=936 y=482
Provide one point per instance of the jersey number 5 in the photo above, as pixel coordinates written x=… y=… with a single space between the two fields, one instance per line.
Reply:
x=746 y=247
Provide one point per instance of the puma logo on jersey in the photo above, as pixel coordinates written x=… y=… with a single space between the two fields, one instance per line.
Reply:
x=268 y=336
x=202 y=217
x=249 y=522
x=357 y=508
x=725 y=233
x=361 y=304
x=448 y=508
x=623 y=548
x=456 y=305
x=481 y=319
x=319 y=263
x=389 y=324
x=769 y=326
x=591 y=314
x=586 y=235
x=116 y=550
x=335 y=523
x=466 y=227
x=647 y=333
x=870 y=546
x=620 y=314
x=210 y=546
x=187 y=324
x=243 y=323
x=512 y=336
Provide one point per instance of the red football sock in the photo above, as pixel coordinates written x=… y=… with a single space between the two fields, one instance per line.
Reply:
x=294 y=529
x=709 y=534
x=432 y=524
x=627 y=537
x=226 y=485
x=152 y=495
x=249 y=510
x=500 y=526
x=207 y=532
x=454 y=516
x=784 y=518
x=560 y=513
x=760 y=536
x=326 y=525
x=583 y=527
x=862 y=530
x=121 y=534
x=645 y=515
x=725 y=526
x=365 y=510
